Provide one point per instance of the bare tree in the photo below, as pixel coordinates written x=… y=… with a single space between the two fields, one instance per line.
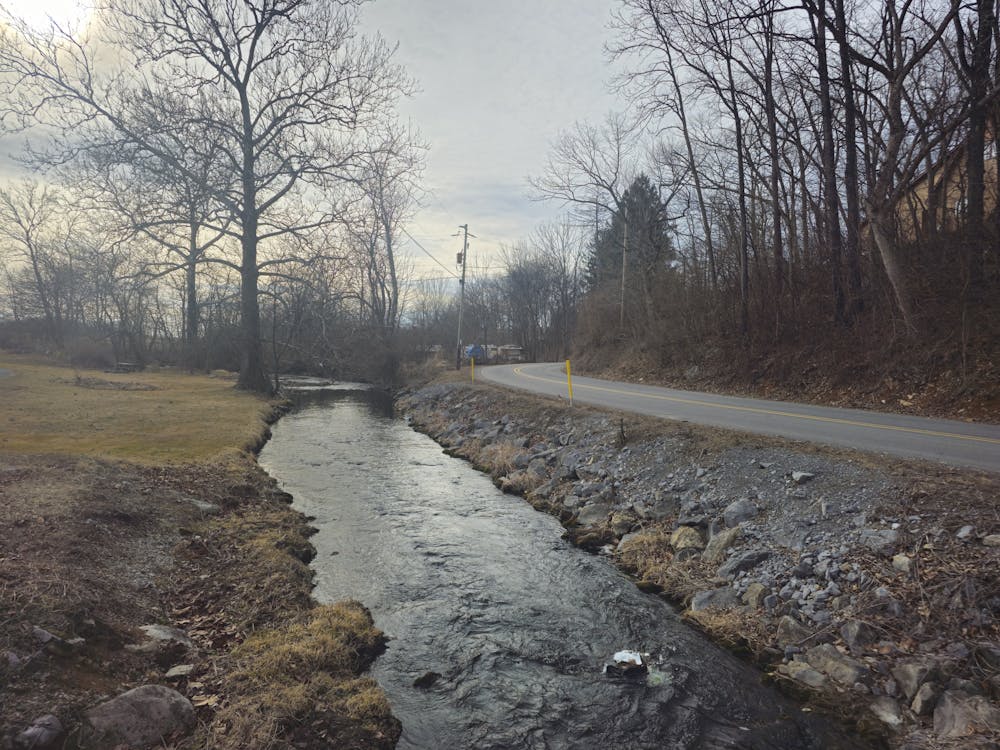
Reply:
x=29 y=217
x=284 y=87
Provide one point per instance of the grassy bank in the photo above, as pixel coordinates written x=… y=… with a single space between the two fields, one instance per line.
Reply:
x=134 y=499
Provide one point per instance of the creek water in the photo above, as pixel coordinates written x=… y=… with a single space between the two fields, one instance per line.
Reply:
x=480 y=588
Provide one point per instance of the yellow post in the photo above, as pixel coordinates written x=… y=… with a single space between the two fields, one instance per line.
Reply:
x=473 y=361
x=569 y=383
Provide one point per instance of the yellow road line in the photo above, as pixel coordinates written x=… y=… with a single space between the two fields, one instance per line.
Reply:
x=771 y=412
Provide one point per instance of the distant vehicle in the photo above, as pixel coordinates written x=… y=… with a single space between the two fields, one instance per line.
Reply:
x=510 y=353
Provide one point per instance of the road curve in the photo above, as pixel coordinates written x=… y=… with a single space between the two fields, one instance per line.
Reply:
x=946 y=441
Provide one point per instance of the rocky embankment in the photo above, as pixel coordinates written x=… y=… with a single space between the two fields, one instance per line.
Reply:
x=871 y=589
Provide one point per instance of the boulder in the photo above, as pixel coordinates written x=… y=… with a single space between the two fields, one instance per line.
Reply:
x=754 y=595
x=622 y=523
x=925 y=699
x=141 y=718
x=790 y=632
x=685 y=537
x=44 y=732
x=911 y=675
x=738 y=512
x=958 y=714
x=887 y=711
x=803 y=673
x=743 y=561
x=593 y=514
x=842 y=668
x=721 y=598
x=992 y=540
x=882 y=541
x=966 y=532
x=166 y=634
x=716 y=548
x=902 y=563
x=857 y=635
x=801 y=477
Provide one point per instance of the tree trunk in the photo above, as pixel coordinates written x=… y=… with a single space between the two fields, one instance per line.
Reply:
x=884 y=233
x=777 y=248
x=979 y=79
x=252 y=374
x=831 y=214
x=852 y=250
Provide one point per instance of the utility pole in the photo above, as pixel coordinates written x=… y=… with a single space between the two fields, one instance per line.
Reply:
x=463 y=259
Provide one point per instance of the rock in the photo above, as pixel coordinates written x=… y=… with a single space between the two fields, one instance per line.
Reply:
x=965 y=532
x=743 y=561
x=716 y=548
x=699 y=520
x=801 y=477
x=857 y=635
x=911 y=675
x=925 y=699
x=790 y=632
x=626 y=664
x=593 y=514
x=44 y=732
x=622 y=523
x=992 y=540
x=157 y=635
x=591 y=471
x=882 y=541
x=426 y=680
x=42 y=635
x=739 y=511
x=802 y=672
x=887 y=711
x=754 y=595
x=721 y=598
x=842 y=668
x=209 y=509
x=686 y=537
x=958 y=714
x=181 y=670
x=700 y=472
x=902 y=563
x=687 y=553
x=143 y=717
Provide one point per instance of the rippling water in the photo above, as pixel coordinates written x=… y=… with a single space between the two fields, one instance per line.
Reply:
x=477 y=586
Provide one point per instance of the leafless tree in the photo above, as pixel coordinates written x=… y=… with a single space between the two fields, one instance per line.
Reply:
x=284 y=88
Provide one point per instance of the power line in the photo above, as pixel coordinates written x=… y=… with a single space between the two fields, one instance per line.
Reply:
x=427 y=253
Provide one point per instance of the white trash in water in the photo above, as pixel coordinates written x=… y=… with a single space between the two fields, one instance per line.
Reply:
x=628 y=657
x=625 y=664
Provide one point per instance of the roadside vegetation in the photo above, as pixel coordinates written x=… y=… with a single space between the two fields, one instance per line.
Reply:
x=134 y=499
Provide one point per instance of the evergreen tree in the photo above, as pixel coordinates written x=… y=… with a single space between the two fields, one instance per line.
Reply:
x=647 y=245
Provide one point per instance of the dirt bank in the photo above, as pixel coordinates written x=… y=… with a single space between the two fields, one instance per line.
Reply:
x=872 y=589
x=181 y=568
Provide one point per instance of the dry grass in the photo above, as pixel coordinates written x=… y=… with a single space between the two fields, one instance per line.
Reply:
x=498 y=457
x=147 y=418
x=298 y=682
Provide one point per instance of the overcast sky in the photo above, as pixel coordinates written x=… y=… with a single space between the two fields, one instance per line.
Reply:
x=497 y=81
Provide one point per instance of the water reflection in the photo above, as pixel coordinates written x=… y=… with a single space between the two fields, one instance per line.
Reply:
x=479 y=588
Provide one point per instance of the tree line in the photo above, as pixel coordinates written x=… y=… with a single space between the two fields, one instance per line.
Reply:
x=242 y=158
x=824 y=164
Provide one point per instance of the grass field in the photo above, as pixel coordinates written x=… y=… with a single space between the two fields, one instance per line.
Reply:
x=147 y=418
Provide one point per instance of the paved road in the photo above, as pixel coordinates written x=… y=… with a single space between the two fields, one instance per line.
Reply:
x=946 y=441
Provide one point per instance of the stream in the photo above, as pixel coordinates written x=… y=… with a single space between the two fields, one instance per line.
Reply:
x=480 y=588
